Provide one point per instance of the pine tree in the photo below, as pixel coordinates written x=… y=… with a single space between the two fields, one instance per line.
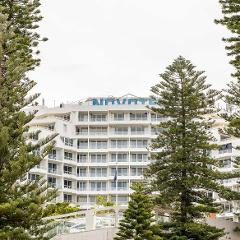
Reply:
x=183 y=171
x=137 y=222
x=231 y=19
x=21 y=203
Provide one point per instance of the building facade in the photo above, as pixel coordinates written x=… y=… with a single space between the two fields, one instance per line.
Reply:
x=102 y=148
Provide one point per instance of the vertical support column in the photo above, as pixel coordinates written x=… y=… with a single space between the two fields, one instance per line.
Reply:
x=90 y=220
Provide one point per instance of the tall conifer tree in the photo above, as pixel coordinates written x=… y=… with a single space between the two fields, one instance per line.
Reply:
x=21 y=203
x=183 y=171
x=231 y=20
x=137 y=222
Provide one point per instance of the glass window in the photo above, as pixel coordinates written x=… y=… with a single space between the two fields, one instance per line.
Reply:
x=52 y=182
x=98 y=117
x=121 y=130
x=139 y=157
x=119 y=143
x=119 y=157
x=68 y=156
x=82 y=158
x=82 y=144
x=52 y=167
x=98 y=186
x=67 y=198
x=82 y=199
x=139 y=143
x=81 y=186
x=67 y=169
x=137 y=130
x=98 y=144
x=138 y=116
x=120 y=171
x=98 y=158
x=98 y=172
x=67 y=141
x=82 y=117
x=118 y=116
x=67 y=183
x=82 y=172
x=52 y=154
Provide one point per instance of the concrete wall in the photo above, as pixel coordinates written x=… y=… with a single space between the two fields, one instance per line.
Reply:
x=100 y=234
x=108 y=233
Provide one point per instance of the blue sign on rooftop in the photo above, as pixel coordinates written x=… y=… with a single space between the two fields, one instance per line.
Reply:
x=122 y=101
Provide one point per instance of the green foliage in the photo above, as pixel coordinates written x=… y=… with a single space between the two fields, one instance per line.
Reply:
x=138 y=219
x=101 y=201
x=21 y=203
x=59 y=209
x=231 y=20
x=181 y=172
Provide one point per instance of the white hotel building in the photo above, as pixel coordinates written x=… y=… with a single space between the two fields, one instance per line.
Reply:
x=100 y=135
x=96 y=137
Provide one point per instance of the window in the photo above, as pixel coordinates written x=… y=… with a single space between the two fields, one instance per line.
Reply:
x=82 y=172
x=52 y=154
x=120 y=199
x=98 y=144
x=98 y=131
x=156 y=117
x=98 y=117
x=98 y=158
x=139 y=157
x=119 y=143
x=121 y=130
x=81 y=186
x=52 y=182
x=68 y=169
x=120 y=185
x=66 y=117
x=139 y=143
x=92 y=199
x=226 y=163
x=33 y=177
x=138 y=116
x=52 y=168
x=98 y=172
x=82 y=117
x=137 y=130
x=120 y=171
x=82 y=199
x=98 y=186
x=68 y=156
x=67 y=198
x=136 y=171
x=81 y=158
x=118 y=116
x=51 y=127
x=119 y=157
x=67 y=183
x=83 y=144
x=67 y=141
x=81 y=130
x=225 y=148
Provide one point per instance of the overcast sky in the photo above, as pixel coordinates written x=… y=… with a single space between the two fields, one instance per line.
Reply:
x=115 y=47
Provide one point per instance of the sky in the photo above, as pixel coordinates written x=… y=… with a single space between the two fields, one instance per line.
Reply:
x=114 y=47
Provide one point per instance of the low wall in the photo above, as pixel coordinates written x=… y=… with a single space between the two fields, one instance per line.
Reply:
x=99 y=234
x=109 y=233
